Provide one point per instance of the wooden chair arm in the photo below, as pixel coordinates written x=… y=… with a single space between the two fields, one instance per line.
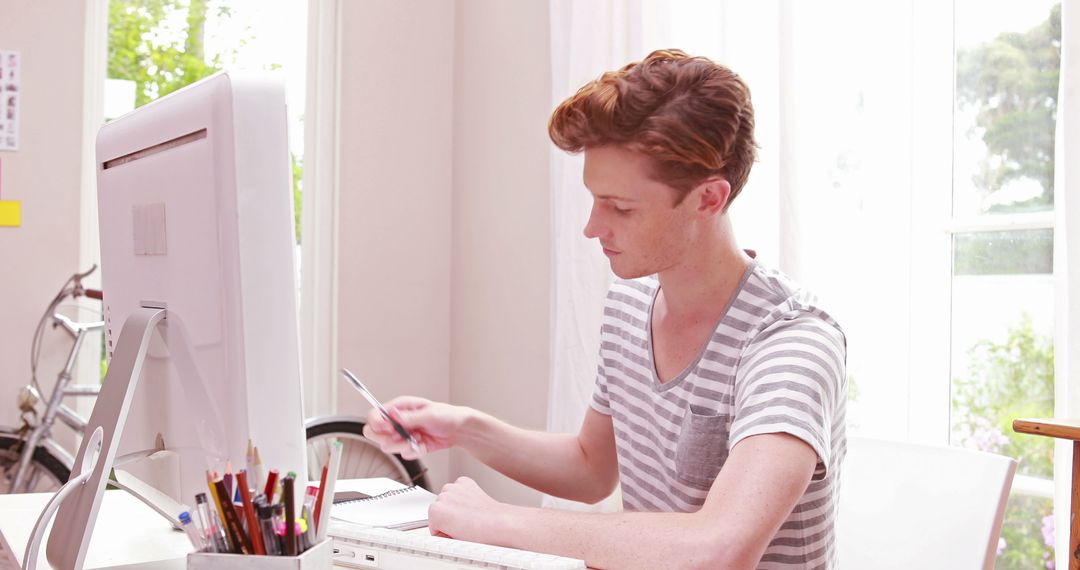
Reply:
x=1049 y=427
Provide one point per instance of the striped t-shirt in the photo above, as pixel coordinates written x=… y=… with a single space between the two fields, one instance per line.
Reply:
x=775 y=364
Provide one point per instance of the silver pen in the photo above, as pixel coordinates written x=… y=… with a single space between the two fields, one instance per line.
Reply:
x=404 y=433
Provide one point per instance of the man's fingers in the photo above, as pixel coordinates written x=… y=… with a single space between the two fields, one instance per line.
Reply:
x=407 y=403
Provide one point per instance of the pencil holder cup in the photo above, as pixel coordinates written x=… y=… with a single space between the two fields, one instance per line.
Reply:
x=318 y=557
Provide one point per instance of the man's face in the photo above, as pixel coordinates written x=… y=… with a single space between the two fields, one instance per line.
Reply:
x=635 y=217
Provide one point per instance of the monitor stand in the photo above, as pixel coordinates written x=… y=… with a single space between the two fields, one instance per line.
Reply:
x=80 y=498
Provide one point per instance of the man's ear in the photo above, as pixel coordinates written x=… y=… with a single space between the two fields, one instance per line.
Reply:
x=715 y=192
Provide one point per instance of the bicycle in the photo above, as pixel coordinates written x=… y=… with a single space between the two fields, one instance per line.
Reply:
x=32 y=461
x=360 y=457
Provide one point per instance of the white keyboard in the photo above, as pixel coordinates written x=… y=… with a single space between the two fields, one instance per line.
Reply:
x=370 y=547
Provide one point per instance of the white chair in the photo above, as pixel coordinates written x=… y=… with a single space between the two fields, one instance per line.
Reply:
x=905 y=506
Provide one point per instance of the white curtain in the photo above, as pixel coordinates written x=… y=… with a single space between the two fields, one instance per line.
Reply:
x=1067 y=263
x=833 y=190
x=588 y=38
x=850 y=195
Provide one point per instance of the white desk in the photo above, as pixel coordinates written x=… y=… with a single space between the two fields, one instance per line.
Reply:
x=128 y=534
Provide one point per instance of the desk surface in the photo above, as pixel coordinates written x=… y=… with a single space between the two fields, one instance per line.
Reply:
x=128 y=534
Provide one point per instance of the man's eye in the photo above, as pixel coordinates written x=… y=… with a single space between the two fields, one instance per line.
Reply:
x=619 y=210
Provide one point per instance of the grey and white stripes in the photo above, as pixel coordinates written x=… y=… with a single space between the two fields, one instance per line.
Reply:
x=775 y=364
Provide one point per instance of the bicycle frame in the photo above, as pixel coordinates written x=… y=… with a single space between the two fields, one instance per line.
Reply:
x=56 y=409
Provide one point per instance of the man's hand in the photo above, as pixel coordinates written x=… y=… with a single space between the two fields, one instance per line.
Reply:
x=465 y=512
x=434 y=425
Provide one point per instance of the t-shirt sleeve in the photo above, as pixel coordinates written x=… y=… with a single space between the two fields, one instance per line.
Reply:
x=789 y=380
x=600 y=401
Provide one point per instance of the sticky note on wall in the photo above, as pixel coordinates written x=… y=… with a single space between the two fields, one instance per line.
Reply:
x=10 y=213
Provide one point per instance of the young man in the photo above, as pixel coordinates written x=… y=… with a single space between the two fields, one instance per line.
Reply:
x=720 y=395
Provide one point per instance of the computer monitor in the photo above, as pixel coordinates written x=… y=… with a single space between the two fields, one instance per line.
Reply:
x=195 y=210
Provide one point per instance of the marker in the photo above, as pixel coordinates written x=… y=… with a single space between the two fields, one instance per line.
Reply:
x=192 y=532
x=266 y=525
x=308 y=513
x=212 y=532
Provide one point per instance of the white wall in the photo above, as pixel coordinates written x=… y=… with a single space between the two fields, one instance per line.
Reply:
x=444 y=286
x=501 y=302
x=395 y=200
x=44 y=174
x=444 y=265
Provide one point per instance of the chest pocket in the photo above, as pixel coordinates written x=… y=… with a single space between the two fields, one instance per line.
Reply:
x=702 y=447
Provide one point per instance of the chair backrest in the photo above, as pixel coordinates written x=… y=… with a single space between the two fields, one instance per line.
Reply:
x=905 y=505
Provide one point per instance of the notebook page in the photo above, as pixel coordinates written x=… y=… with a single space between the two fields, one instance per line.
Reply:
x=403 y=508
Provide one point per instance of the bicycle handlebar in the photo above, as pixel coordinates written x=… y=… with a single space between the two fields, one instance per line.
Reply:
x=93 y=293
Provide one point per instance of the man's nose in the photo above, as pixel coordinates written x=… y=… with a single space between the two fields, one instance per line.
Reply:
x=593 y=227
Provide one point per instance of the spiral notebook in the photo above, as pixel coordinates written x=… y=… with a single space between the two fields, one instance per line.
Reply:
x=401 y=509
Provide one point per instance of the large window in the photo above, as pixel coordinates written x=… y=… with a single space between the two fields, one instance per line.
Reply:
x=1007 y=68
x=906 y=176
x=158 y=46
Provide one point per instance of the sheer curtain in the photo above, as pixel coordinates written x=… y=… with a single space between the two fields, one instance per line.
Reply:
x=588 y=38
x=1067 y=262
x=852 y=194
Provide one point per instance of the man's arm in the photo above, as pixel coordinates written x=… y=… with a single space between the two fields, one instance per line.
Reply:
x=759 y=485
x=581 y=467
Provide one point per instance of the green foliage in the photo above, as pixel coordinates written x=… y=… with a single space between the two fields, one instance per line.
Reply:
x=159 y=60
x=1012 y=82
x=1012 y=252
x=1005 y=381
x=297 y=186
x=144 y=49
x=1023 y=534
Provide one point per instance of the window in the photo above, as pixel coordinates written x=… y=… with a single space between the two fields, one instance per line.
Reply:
x=906 y=176
x=1002 y=358
x=158 y=46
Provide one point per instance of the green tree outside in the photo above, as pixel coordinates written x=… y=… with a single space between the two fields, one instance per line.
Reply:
x=1005 y=381
x=1012 y=82
x=159 y=60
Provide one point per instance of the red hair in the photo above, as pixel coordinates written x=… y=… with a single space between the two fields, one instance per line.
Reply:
x=692 y=116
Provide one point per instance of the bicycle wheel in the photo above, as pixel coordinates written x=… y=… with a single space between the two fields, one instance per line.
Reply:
x=360 y=457
x=45 y=474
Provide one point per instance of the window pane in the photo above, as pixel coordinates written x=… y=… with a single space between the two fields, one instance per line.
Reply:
x=1027 y=533
x=158 y=46
x=1007 y=65
x=1003 y=369
x=1004 y=253
x=1008 y=58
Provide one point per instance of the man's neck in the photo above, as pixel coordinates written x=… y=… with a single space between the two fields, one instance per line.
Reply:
x=700 y=287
